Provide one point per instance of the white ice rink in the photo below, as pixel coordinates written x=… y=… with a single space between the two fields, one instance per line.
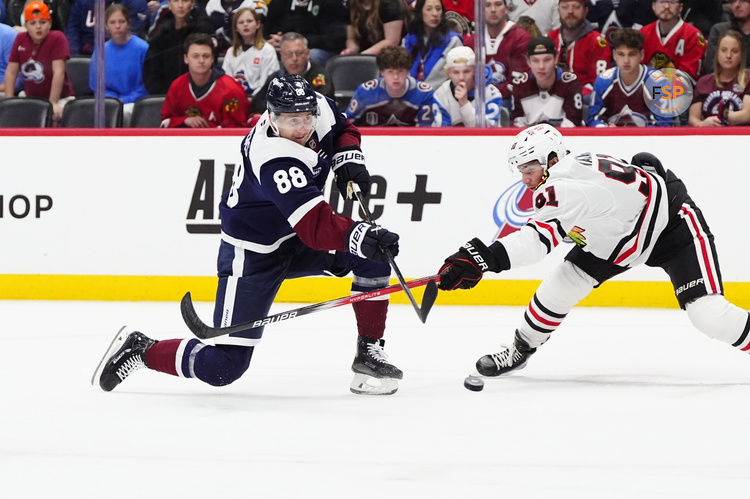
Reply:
x=621 y=403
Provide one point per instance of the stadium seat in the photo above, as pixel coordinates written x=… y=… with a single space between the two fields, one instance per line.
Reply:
x=25 y=112
x=504 y=116
x=78 y=72
x=348 y=72
x=80 y=113
x=147 y=112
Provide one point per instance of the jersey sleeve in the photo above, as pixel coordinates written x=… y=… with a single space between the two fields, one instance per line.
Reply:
x=573 y=100
x=234 y=106
x=356 y=106
x=691 y=61
x=170 y=112
x=561 y=206
x=598 y=110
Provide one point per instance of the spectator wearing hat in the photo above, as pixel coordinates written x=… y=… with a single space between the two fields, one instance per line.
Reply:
x=672 y=43
x=456 y=96
x=396 y=98
x=505 y=43
x=546 y=94
x=204 y=97
x=40 y=54
x=581 y=48
x=543 y=12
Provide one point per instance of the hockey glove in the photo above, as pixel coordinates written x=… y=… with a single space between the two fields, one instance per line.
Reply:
x=349 y=166
x=370 y=241
x=465 y=268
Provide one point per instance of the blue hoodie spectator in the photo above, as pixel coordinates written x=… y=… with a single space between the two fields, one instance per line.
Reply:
x=80 y=30
x=7 y=36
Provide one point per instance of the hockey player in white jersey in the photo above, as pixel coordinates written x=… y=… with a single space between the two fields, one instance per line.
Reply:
x=619 y=215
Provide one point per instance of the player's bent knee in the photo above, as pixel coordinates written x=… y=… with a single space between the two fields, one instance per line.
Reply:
x=716 y=317
x=222 y=364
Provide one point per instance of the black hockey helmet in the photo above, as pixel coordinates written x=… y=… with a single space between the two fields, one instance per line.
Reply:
x=291 y=94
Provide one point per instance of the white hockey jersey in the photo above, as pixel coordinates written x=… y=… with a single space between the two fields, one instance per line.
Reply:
x=608 y=207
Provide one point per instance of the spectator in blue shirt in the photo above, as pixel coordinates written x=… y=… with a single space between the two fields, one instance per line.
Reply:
x=124 y=54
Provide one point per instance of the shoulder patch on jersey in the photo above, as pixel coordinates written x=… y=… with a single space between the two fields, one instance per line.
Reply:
x=319 y=80
x=608 y=73
x=701 y=39
x=520 y=77
x=370 y=84
x=424 y=87
x=602 y=41
x=568 y=77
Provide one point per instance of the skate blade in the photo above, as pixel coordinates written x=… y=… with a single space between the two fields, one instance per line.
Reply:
x=115 y=345
x=363 y=384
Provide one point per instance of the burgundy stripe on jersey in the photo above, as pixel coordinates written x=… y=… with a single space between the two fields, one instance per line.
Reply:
x=322 y=229
x=650 y=212
x=540 y=318
x=706 y=257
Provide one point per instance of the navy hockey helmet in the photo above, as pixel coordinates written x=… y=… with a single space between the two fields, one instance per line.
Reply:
x=291 y=94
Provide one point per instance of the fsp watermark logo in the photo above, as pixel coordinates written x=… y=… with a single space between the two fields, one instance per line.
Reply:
x=669 y=92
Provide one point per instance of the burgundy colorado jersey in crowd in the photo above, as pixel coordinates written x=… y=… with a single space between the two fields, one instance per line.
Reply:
x=505 y=53
x=586 y=56
x=560 y=105
x=711 y=96
x=682 y=48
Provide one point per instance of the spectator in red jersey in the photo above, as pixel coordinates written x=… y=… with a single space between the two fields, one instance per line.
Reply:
x=547 y=94
x=670 y=42
x=740 y=22
x=204 y=97
x=723 y=97
x=40 y=54
x=582 y=49
x=375 y=25
x=505 y=43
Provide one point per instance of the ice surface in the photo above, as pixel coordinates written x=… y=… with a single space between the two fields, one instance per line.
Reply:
x=621 y=403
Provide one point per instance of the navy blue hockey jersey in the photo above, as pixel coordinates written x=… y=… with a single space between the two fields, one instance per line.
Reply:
x=279 y=182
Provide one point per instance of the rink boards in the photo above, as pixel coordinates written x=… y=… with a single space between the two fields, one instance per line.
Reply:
x=133 y=216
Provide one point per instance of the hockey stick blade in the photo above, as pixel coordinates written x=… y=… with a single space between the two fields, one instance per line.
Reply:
x=428 y=299
x=203 y=331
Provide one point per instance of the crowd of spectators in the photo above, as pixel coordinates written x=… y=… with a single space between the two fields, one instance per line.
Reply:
x=563 y=62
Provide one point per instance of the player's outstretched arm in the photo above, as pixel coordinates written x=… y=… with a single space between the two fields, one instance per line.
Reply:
x=465 y=268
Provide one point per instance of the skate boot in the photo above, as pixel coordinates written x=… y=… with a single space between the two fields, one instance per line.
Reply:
x=373 y=374
x=126 y=354
x=508 y=359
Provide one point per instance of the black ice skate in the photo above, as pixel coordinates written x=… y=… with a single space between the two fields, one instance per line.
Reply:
x=373 y=374
x=510 y=358
x=125 y=355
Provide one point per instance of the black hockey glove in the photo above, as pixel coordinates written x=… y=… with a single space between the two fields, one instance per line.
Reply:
x=369 y=241
x=465 y=268
x=349 y=166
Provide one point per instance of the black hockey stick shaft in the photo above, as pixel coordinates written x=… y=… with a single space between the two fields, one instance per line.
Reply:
x=204 y=331
x=430 y=293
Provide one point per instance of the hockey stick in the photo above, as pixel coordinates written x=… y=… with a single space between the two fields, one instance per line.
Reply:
x=204 y=331
x=430 y=293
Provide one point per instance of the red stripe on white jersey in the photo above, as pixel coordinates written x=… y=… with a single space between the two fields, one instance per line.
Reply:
x=551 y=231
x=645 y=224
x=704 y=252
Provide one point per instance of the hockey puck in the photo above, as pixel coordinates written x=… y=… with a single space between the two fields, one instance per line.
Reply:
x=473 y=383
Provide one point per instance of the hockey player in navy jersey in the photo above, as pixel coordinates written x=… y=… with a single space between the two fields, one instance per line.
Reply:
x=619 y=215
x=276 y=225
x=619 y=92
x=395 y=99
